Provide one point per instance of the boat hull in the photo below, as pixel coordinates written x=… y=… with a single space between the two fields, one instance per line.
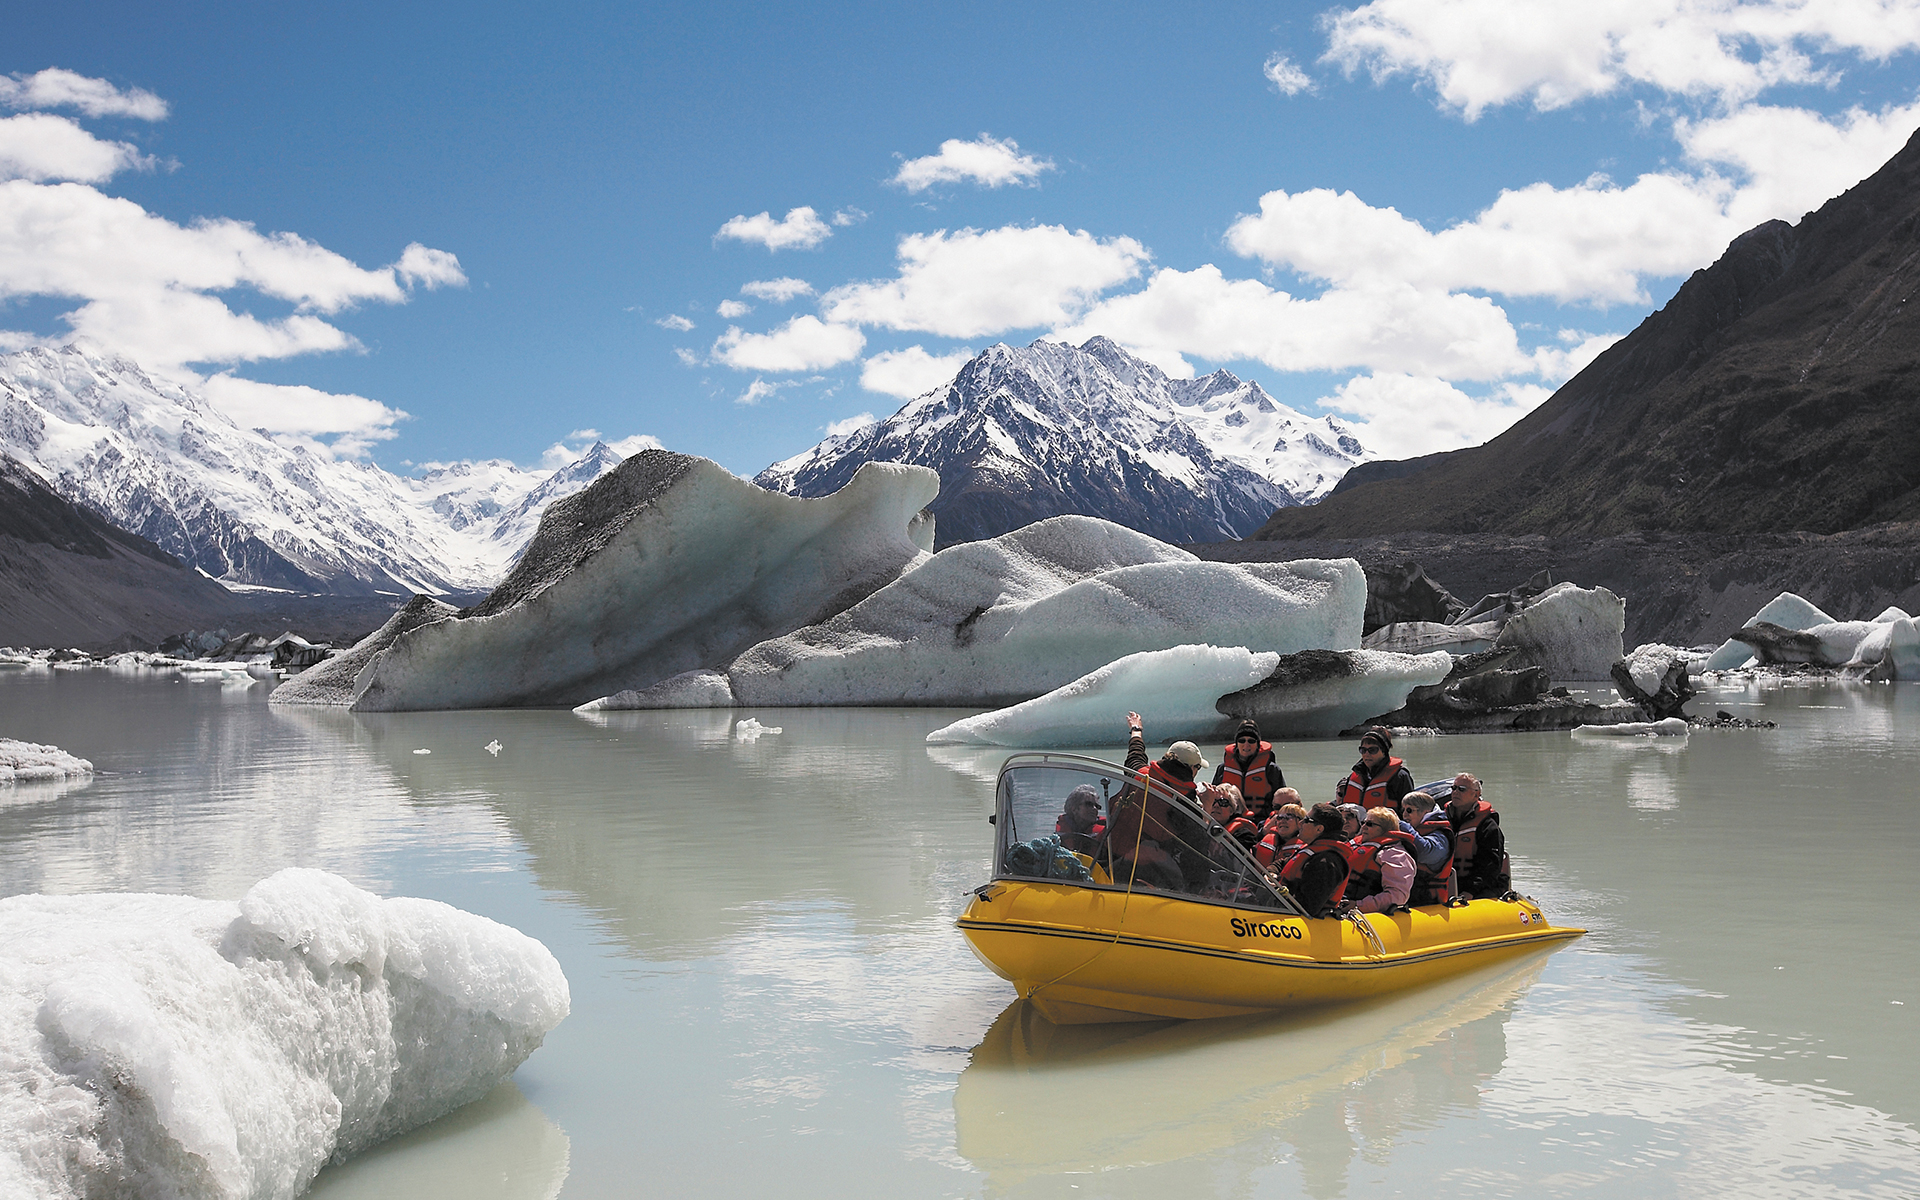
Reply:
x=1083 y=955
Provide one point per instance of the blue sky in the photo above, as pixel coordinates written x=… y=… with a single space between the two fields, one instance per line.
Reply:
x=1422 y=215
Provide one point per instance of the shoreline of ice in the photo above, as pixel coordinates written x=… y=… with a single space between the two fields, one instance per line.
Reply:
x=165 y=1045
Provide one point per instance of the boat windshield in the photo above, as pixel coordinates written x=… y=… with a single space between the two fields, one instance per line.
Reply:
x=1074 y=819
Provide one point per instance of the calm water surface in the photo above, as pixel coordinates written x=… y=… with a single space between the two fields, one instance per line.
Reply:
x=769 y=992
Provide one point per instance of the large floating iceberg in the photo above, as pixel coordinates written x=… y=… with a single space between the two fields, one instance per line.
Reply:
x=1887 y=646
x=667 y=564
x=1174 y=691
x=1573 y=632
x=1013 y=617
x=1320 y=693
x=171 y=1047
x=1786 y=610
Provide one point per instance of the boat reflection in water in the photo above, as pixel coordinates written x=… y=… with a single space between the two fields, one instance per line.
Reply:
x=1167 y=916
x=1040 y=1099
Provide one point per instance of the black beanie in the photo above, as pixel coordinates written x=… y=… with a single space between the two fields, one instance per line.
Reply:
x=1379 y=734
x=1247 y=727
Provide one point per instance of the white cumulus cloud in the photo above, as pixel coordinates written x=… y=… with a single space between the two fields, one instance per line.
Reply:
x=805 y=343
x=1479 y=54
x=573 y=447
x=297 y=413
x=39 y=146
x=974 y=283
x=1404 y=416
x=853 y=424
x=57 y=87
x=800 y=229
x=776 y=291
x=1287 y=78
x=910 y=372
x=675 y=322
x=732 y=309
x=988 y=161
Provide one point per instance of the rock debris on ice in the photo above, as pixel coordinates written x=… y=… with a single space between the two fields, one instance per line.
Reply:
x=165 y=1046
x=1573 y=632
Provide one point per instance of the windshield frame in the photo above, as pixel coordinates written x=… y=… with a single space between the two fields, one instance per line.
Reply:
x=1004 y=829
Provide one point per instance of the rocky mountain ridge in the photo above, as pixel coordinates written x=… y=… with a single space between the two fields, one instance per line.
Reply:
x=1026 y=433
x=1779 y=390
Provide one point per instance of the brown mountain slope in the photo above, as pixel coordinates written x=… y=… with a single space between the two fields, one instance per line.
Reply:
x=1779 y=390
x=68 y=578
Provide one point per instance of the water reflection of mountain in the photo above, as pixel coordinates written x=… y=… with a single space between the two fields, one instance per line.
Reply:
x=1039 y=1100
x=681 y=835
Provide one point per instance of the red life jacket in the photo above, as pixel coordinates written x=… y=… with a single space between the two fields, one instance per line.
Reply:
x=1251 y=779
x=1296 y=866
x=1370 y=795
x=1271 y=848
x=1433 y=887
x=1145 y=817
x=1173 y=783
x=1466 y=836
x=1083 y=842
x=1367 y=879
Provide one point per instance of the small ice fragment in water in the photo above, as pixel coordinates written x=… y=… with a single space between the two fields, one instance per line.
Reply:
x=750 y=730
x=493 y=747
x=423 y=752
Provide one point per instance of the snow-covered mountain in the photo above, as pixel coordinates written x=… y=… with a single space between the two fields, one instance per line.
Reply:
x=159 y=460
x=1027 y=433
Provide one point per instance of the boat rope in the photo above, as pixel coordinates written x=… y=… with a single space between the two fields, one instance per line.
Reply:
x=1368 y=932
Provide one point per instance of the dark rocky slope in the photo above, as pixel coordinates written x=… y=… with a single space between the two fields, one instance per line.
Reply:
x=1779 y=390
x=69 y=578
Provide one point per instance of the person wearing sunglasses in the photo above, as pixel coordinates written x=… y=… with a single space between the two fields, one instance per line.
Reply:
x=1425 y=822
x=1378 y=780
x=1080 y=825
x=1228 y=809
x=1382 y=866
x=1280 y=836
x=1248 y=764
x=1317 y=874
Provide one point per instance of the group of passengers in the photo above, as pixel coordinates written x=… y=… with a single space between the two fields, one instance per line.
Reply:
x=1381 y=845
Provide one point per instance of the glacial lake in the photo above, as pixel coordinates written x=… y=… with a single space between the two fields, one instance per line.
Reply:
x=769 y=995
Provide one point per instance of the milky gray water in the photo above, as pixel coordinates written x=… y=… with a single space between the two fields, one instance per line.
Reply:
x=769 y=994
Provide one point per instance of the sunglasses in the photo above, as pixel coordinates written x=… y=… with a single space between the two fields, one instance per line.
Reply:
x=1376 y=825
x=1221 y=803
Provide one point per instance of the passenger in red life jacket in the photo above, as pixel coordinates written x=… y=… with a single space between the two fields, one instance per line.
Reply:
x=1317 y=874
x=1378 y=780
x=1432 y=849
x=1225 y=805
x=1143 y=830
x=1480 y=866
x=1383 y=871
x=1249 y=765
x=1280 y=836
x=1080 y=826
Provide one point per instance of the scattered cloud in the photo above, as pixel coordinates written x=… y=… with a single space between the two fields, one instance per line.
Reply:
x=57 y=87
x=732 y=309
x=1404 y=415
x=1289 y=79
x=987 y=161
x=853 y=424
x=760 y=390
x=849 y=216
x=675 y=322
x=777 y=291
x=805 y=343
x=296 y=414
x=40 y=147
x=687 y=357
x=426 y=267
x=1479 y=54
x=574 y=446
x=974 y=283
x=910 y=372
x=627 y=447
x=800 y=229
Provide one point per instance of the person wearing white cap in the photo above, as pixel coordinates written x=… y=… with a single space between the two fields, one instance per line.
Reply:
x=1142 y=830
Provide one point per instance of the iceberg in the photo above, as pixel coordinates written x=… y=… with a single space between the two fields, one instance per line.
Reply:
x=1420 y=637
x=1573 y=632
x=666 y=564
x=158 y=1045
x=1667 y=727
x=1785 y=610
x=331 y=681
x=689 y=689
x=30 y=762
x=1174 y=690
x=1320 y=693
x=1890 y=650
x=1001 y=621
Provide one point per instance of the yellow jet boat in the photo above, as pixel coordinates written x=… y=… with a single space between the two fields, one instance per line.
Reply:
x=1187 y=924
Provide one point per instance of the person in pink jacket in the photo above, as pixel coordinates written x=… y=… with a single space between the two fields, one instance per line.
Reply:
x=1383 y=876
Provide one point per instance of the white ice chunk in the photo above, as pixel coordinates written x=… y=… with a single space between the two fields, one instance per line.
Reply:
x=1013 y=617
x=1574 y=632
x=1893 y=646
x=30 y=762
x=1648 y=664
x=689 y=689
x=167 y=1046
x=1786 y=610
x=1893 y=612
x=493 y=747
x=1174 y=690
x=751 y=730
x=1840 y=640
x=1670 y=727
x=1319 y=695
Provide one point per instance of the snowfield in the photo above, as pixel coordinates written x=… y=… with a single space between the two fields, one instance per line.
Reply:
x=163 y=1046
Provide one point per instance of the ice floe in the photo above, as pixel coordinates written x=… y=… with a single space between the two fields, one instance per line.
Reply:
x=1320 y=693
x=1010 y=618
x=1785 y=610
x=30 y=762
x=1789 y=630
x=1667 y=727
x=751 y=730
x=1573 y=632
x=1174 y=690
x=170 y=1047
x=667 y=564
